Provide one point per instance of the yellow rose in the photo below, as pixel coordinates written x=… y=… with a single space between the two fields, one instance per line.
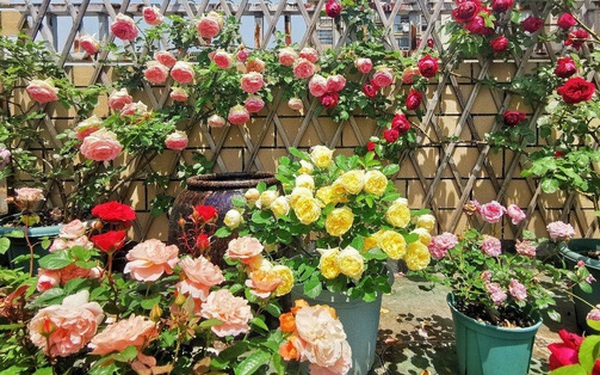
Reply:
x=252 y=195
x=417 y=256
x=398 y=215
x=306 y=167
x=321 y=156
x=338 y=193
x=297 y=193
x=280 y=207
x=329 y=264
x=270 y=247
x=375 y=183
x=266 y=199
x=393 y=244
x=424 y=235
x=352 y=264
x=287 y=280
x=370 y=242
x=233 y=219
x=307 y=209
x=339 y=221
x=403 y=201
x=353 y=181
x=305 y=181
x=325 y=195
x=426 y=221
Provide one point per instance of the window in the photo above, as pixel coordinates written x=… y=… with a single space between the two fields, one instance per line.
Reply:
x=325 y=36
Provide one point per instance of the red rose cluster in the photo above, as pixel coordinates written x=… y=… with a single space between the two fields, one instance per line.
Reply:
x=400 y=125
x=117 y=217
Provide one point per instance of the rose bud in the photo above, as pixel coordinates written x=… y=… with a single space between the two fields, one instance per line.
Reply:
x=296 y=104
x=565 y=67
x=242 y=54
x=178 y=94
x=371 y=146
x=333 y=9
x=42 y=91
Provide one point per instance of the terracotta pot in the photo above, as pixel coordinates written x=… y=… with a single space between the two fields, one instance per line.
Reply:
x=212 y=190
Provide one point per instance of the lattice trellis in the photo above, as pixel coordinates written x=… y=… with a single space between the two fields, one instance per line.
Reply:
x=438 y=175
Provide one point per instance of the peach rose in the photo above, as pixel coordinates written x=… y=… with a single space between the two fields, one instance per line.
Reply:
x=252 y=82
x=87 y=127
x=72 y=271
x=135 y=331
x=336 y=83
x=408 y=75
x=89 y=44
x=73 y=230
x=62 y=330
x=210 y=25
x=234 y=312
x=27 y=196
x=131 y=109
x=42 y=91
x=124 y=27
x=47 y=279
x=166 y=58
x=155 y=72
x=255 y=65
x=254 y=104
x=62 y=244
x=263 y=282
x=296 y=104
x=150 y=259
x=178 y=94
x=317 y=85
x=244 y=249
x=119 y=99
x=238 y=115
x=216 y=121
x=303 y=69
x=101 y=145
x=383 y=77
x=363 y=64
x=152 y=16
x=182 y=72
x=200 y=275
x=287 y=56
x=309 y=54
x=176 y=141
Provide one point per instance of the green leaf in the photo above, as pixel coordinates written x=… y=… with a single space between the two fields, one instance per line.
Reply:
x=550 y=186
x=585 y=287
x=261 y=217
x=56 y=260
x=210 y=322
x=253 y=363
x=4 y=245
x=569 y=370
x=148 y=303
x=390 y=169
x=257 y=321
x=313 y=287
x=223 y=232
x=44 y=371
x=554 y=315
x=125 y=355
x=299 y=154
x=588 y=352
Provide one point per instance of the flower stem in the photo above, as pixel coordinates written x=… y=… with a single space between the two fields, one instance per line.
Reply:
x=29 y=245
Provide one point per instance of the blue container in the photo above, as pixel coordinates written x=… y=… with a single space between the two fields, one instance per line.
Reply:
x=484 y=349
x=18 y=246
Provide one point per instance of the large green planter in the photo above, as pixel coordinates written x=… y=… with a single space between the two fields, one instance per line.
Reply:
x=484 y=349
x=18 y=246
x=573 y=252
x=360 y=320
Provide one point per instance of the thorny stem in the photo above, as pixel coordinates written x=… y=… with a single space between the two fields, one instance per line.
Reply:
x=29 y=245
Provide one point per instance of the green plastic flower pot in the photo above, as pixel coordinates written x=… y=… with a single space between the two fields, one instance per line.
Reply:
x=18 y=246
x=361 y=324
x=484 y=349
x=573 y=252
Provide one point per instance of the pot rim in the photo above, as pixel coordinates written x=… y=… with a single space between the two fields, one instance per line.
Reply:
x=575 y=256
x=230 y=180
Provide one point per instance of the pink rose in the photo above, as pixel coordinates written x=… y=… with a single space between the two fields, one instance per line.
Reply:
x=414 y=99
x=491 y=246
x=150 y=259
x=525 y=248
x=408 y=76
x=131 y=109
x=335 y=83
x=296 y=104
x=118 y=99
x=199 y=276
x=310 y=54
x=27 y=196
x=182 y=72
x=486 y=275
x=87 y=127
x=255 y=65
x=238 y=115
x=254 y=104
x=317 y=85
x=47 y=279
x=152 y=16
x=62 y=330
x=156 y=73
x=234 y=312
x=517 y=290
x=363 y=64
x=179 y=94
x=42 y=91
x=492 y=212
x=210 y=25
x=515 y=213
x=176 y=141
x=135 y=331
x=303 y=69
x=62 y=244
x=89 y=44
x=287 y=56
x=216 y=121
x=5 y=156
x=383 y=77
x=244 y=249
x=242 y=55
x=124 y=27
x=222 y=59
x=252 y=82
x=73 y=230
x=497 y=294
x=428 y=66
x=101 y=145
x=442 y=244
x=559 y=230
x=166 y=58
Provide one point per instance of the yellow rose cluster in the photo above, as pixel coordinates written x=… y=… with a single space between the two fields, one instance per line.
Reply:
x=348 y=262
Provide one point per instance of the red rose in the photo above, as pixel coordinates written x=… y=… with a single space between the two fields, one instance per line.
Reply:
x=333 y=9
x=576 y=38
x=370 y=89
x=576 y=90
x=109 y=242
x=391 y=135
x=204 y=213
x=512 y=118
x=114 y=212
x=466 y=10
x=566 y=21
x=499 y=44
x=558 y=154
x=565 y=67
x=477 y=26
x=330 y=100
x=203 y=241
x=371 y=146
x=532 y=24
x=502 y=5
x=428 y=66
x=401 y=123
x=430 y=42
x=565 y=353
x=414 y=99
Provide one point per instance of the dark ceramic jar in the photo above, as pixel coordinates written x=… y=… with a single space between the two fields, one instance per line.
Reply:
x=212 y=190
